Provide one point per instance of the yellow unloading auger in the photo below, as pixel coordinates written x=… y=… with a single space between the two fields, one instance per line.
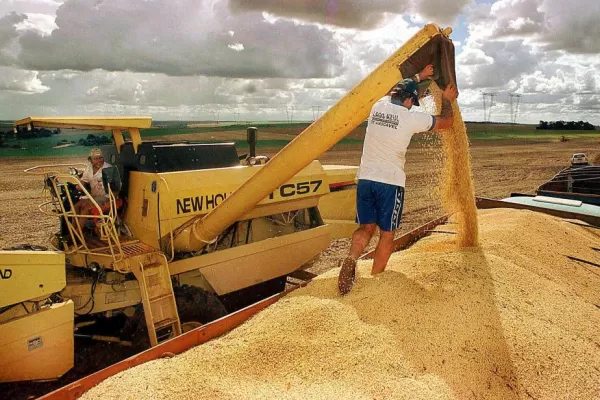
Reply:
x=431 y=45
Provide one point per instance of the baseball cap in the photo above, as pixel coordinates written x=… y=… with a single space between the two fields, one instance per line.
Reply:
x=95 y=153
x=407 y=86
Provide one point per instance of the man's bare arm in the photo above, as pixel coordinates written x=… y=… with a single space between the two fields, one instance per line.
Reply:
x=445 y=120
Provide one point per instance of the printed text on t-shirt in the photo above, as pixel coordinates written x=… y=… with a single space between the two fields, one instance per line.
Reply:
x=383 y=119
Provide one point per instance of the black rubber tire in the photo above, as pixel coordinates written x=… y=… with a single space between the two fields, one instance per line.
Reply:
x=196 y=304
x=242 y=298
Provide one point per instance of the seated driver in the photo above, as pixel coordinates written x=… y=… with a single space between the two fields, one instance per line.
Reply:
x=92 y=179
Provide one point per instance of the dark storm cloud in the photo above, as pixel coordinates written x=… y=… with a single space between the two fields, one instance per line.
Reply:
x=179 y=38
x=359 y=14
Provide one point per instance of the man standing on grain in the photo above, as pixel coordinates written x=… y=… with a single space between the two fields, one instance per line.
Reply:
x=381 y=177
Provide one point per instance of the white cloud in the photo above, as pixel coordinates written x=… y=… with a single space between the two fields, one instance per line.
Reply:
x=43 y=24
x=516 y=18
x=47 y=7
x=8 y=38
x=361 y=14
x=572 y=26
x=440 y=11
x=16 y=80
x=236 y=46
x=494 y=64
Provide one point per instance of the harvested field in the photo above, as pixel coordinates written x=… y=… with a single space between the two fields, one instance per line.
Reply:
x=511 y=320
x=499 y=168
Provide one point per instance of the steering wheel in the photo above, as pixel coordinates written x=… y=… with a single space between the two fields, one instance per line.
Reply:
x=75 y=192
x=65 y=190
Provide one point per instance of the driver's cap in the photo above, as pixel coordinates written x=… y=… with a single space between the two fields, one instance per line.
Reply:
x=95 y=153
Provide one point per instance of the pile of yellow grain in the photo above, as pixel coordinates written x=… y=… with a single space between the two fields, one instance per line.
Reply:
x=514 y=319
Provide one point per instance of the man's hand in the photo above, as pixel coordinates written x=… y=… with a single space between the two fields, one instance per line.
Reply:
x=450 y=93
x=426 y=73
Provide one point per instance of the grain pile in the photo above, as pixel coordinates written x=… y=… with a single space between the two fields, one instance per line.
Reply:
x=509 y=320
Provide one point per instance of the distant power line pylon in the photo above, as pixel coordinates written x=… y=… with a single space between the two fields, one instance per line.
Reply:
x=487 y=107
x=316 y=110
x=215 y=117
x=515 y=99
x=289 y=111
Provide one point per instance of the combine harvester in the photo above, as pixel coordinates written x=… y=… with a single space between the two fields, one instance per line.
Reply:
x=145 y=249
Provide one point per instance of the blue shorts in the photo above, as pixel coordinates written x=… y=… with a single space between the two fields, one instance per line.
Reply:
x=379 y=203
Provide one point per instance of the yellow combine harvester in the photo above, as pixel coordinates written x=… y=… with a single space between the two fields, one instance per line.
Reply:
x=140 y=250
x=190 y=227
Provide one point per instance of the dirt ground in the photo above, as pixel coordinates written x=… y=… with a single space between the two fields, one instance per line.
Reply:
x=499 y=169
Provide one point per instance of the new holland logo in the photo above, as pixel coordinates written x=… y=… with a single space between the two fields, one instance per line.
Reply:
x=5 y=273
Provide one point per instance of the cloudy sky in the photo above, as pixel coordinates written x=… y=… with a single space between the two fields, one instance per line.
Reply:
x=278 y=60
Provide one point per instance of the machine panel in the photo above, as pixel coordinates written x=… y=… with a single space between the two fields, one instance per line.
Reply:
x=26 y=275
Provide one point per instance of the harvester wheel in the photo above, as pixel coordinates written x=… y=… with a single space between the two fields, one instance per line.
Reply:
x=196 y=304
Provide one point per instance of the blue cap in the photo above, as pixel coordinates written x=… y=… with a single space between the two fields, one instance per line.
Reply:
x=407 y=86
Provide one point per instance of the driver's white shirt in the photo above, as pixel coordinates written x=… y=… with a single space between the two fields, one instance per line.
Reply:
x=389 y=131
x=95 y=180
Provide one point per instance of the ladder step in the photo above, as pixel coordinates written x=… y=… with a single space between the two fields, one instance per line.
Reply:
x=160 y=297
x=164 y=323
x=151 y=265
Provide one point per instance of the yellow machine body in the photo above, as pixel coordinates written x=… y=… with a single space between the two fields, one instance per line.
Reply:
x=160 y=203
x=36 y=332
x=338 y=208
x=27 y=275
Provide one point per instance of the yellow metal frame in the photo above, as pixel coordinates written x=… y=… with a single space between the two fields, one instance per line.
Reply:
x=54 y=207
x=114 y=124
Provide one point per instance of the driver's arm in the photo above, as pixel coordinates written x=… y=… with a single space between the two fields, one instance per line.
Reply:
x=85 y=178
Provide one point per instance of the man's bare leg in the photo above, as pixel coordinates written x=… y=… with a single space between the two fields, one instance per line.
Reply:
x=83 y=207
x=383 y=251
x=360 y=239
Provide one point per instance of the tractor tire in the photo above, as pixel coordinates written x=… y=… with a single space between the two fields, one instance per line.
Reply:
x=243 y=298
x=197 y=305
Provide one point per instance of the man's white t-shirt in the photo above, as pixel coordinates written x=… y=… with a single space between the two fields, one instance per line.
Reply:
x=95 y=180
x=389 y=131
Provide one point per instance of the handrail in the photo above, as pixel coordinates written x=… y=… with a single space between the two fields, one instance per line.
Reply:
x=106 y=222
x=33 y=170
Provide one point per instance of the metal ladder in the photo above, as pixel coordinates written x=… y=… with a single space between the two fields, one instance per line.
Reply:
x=158 y=299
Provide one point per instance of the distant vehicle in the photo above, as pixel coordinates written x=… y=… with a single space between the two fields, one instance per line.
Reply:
x=579 y=159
